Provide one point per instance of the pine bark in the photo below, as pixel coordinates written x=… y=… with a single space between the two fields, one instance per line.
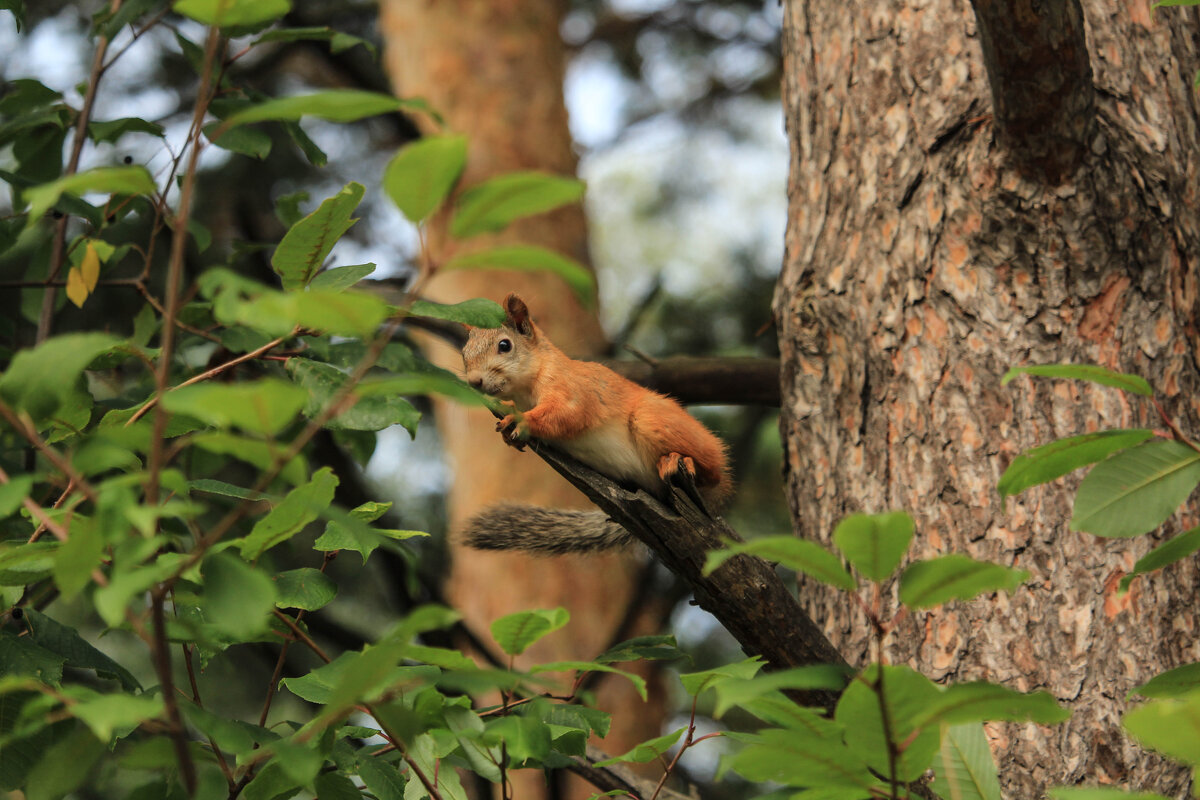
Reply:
x=924 y=258
x=494 y=71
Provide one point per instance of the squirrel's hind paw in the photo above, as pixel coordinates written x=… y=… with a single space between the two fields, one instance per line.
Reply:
x=680 y=470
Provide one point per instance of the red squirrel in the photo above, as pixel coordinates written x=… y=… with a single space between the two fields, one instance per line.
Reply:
x=608 y=422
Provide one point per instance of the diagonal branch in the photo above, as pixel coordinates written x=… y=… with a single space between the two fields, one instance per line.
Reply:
x=745 y=594
x=1037 y=63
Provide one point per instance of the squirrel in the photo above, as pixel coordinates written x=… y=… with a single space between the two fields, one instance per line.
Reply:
x=623 y=430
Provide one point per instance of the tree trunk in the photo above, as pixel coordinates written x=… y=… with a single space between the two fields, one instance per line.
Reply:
x=494 y=71
x=927 y=251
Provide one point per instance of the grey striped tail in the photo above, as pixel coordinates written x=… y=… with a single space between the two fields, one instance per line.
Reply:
x=544 y=531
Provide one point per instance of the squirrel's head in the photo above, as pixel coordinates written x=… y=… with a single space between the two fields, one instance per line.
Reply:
x=500 y=361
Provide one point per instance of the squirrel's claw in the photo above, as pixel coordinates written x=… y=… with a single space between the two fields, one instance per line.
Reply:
x=514 y=430
x=680 y=471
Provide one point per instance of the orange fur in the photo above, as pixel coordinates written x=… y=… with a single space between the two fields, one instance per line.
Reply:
x=617 y=427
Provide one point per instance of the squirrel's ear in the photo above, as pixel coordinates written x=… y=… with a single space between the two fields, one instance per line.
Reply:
x=517 y=315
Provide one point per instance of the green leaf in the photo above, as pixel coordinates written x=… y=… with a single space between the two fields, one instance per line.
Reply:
x=979 y=701
x=1172 y=683
x=339 y=313
x=114 y=129
x=478 y=312
x=795 y=759
x=381 y=779
x=524 y=258
x=1101 y=792
x=965 y=769
x=233 y=13
x=792 y=552
x=516 y=632
x=301 y=506
x=649 y=648
x=874 y=543
x=696 y=682
x=65 y=766
x=253 y=451
x=337 y=279
x=421 y=174
x=238 y=598
x=271 y=783
x=430 y=381
x=524 y=738
x=244 y=141
x=371 y=413
x=332 y=786
x=13 y=494
x=22 y=564
x=1164 y=555
x=906 y=693
x=1169 y=726
x=230 y=736
x=351 y=531
x=263 y=406
x=954 y=577
x=646 y=751
x=638 y=682
x=737 y=692
x=1050 y=461
x=79 y=555
x=106 y=714
x=39 y=379
x=306 y=245
x=19 y=655
x=66 y=642
x=335 y=105
x=107 y=180
x=1084 y=372
x=1136 y=490
x=493 y=204
x=305 y=588
x=338 y=41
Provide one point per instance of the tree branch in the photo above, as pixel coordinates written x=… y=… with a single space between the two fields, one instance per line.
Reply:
x=1037 y=64
x=744 y=594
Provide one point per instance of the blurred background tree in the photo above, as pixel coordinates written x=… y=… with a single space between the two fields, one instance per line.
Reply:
x=675 y=122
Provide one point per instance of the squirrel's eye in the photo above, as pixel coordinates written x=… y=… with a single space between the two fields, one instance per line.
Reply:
x=504 y=346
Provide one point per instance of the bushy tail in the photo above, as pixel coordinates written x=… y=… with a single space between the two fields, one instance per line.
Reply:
x=544 y=531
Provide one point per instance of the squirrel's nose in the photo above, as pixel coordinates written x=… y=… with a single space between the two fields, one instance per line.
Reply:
x=475 y=380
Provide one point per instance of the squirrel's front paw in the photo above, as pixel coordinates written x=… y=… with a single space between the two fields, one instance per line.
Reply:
x=514 y=429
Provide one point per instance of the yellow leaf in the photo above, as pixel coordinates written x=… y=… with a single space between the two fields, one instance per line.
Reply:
x=89 y=270
x=77 y=290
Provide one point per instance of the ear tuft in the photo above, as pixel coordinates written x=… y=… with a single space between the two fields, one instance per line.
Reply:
x=517 y=314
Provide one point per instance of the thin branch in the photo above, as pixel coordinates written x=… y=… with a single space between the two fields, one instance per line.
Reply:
x=26 y=430
x=162 y=665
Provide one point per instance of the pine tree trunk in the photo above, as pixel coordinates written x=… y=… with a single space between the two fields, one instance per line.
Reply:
x=494 y=71
x=930 y=246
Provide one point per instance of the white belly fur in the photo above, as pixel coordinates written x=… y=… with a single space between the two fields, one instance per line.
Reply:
x=610 y=450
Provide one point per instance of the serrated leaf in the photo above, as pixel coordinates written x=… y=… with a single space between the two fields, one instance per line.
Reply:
x=980 y=701
x=305 y=246
x=421 y=174
x=646 y=751
x=906 y=694
x=131 y=180
x=238 y=597
x=341 y=313
x=478 y=312
x=114 y=129
x=736 y=692
x=244 y=141
x=1169 y=726
x=1051 y=461
x=524 y=258
x=493 y=204
x=1084 y=372
x=381 y=779
x=1172 y=683
x=792 y=552
x=66 y=642
x=335 y=105
x=230 y=736
x=954 y=577
x=337 y=279
x=874 y=543
x=1136 y=490
x=253 y=451
x=429 y=381
x=649 y=648
x=233 y=13
x=964 y=768
x=301 y=506
x=39 y=379
x=305 y=588
x=338 y=41
x=79 y=555
x=21 y=656
x=371 y=413
x=1164 y=555
x=351 y=531
x=263 y=406
x=516 y=632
